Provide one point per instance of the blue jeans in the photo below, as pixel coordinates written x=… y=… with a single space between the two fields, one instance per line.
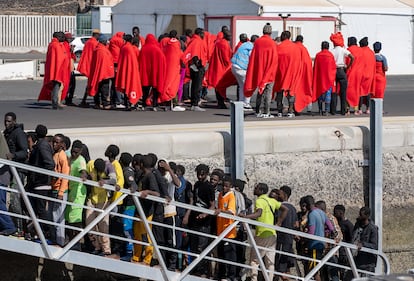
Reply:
x=6 y=222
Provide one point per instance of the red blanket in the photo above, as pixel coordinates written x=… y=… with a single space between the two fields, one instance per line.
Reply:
x=115 y=45
x=56 y=69
x=128 y=79
x=173 y=53
x=152 y=64
x=289 y=67
x=219 y=62
x=324 y=73
x=380 y=81
x=262 y=65
x=84 y=66
x=354 y=76
x=304 y=89
x=368 y=75
x=102 y=67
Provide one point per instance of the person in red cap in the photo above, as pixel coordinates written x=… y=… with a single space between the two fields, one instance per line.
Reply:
x=340 y=54
x=56 y=76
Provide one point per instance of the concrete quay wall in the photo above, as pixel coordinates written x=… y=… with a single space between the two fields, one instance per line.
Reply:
x=324 y=160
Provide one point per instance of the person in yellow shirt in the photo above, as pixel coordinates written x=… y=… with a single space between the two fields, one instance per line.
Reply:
x=112 y=151
x=116 y=223
x=104 y=173
x=226 y=250
x=265 y=208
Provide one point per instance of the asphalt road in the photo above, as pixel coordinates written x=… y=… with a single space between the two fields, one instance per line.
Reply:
x=20 y=97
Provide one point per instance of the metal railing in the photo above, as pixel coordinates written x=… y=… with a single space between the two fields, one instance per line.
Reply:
x=32 y=32
x=66 y=254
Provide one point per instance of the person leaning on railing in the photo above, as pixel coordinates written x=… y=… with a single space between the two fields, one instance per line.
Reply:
x=265 y=207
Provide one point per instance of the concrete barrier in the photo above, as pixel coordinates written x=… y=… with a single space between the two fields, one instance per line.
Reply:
x=18 y=70
x=210 y=140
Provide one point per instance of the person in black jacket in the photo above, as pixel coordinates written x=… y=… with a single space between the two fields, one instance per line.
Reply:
x=40 y=184
x=18 y=151
x=365 y=235
x=16 y=138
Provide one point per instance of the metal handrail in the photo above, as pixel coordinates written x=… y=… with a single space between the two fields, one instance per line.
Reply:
x=157 y=248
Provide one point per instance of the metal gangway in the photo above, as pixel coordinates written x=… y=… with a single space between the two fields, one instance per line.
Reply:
x=65 y=254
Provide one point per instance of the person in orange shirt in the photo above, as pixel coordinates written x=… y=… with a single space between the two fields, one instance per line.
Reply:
x=59 y=191
x=226 y=250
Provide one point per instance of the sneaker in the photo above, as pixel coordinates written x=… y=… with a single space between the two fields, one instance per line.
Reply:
x=367 y=111
x=120 y=106
x=197 y=108
x=178 y=108
x=280 y=115
x=259 y=115
x=290 y=115
x=268 y=115
x=358 y=112
x=247 y=107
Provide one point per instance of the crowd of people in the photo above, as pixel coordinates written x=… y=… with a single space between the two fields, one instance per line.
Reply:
x=213 y=190
x=130 y=72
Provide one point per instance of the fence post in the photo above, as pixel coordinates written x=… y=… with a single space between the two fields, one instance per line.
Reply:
x=237 y=140
x=375 y=169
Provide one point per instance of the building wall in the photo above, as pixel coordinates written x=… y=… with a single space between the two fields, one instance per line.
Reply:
x=44 y=7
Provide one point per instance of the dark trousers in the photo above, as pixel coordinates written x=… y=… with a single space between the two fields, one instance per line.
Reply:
x=227 y=251
x=158 y=232
x=55 y=94
x=197 y=245
x=103 y=95
x=71 y=90
x=146 y=90
x=220 y=100
x=343 y=84
x=186 y=91
x=6 y=222
x=40 y=208
x=364 y=100
x=196 y=82
x=170 y=257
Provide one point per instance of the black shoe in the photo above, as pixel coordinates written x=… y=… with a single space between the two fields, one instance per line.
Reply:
x=221 y=106
x=84 y=105
x=70 y=104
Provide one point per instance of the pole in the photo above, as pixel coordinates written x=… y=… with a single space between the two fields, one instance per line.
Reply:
x=237 y=140
x=375 y=169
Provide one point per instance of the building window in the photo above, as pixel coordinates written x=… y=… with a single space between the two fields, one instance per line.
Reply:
x=294 y=31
